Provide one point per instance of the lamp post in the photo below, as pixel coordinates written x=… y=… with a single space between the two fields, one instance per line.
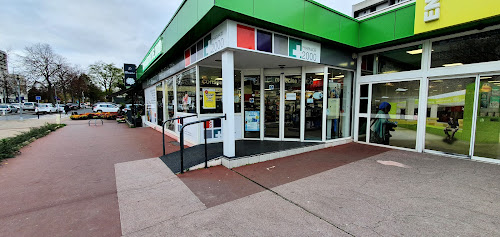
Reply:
x=19 y=97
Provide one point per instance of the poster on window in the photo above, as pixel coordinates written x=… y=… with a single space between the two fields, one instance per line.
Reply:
x=333 y=110
x=252 y=121
x=209 y=98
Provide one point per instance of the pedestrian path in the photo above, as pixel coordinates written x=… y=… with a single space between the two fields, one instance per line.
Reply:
x=348 y=190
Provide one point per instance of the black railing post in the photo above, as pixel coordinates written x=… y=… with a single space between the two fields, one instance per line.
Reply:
x=206 y=154
x=182 y=148
x=163 y=134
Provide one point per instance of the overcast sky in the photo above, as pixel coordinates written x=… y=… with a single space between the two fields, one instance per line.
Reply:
x=114 y=31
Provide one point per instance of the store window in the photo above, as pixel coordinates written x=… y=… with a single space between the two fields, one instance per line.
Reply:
x=211 y=90
x=293 y=88
x=394 y=111
x=398 y=60
x=477 y=48
x=487 y=142
x=251 y=103
x=314 y=106
x=186 y=91
x=339 y=100
x=159 y=103
x=169 y=102
x=450 y=105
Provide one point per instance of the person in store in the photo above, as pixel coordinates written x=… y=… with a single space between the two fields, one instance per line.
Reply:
x=452 y=127
x=381 y=125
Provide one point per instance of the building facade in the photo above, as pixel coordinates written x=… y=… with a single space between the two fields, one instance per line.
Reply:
x=428 y=70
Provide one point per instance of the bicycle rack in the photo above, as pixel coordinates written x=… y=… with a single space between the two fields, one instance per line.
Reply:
x=205 y=136
x=169 y=120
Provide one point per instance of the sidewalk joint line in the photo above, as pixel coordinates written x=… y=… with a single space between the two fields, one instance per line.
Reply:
x=290 y=201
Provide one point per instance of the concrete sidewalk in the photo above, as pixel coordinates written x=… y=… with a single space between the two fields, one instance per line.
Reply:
x=64 y=184
x=349 y=190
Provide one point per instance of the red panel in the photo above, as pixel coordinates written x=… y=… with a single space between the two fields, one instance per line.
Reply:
x=187 y=57
x=246 y=37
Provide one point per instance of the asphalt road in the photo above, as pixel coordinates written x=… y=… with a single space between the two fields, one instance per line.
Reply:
x=32 y=115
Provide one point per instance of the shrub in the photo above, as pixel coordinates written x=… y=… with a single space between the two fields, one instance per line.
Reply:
x=9 y=147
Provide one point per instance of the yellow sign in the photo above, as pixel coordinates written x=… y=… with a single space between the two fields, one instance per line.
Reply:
x=437 y=14
x=209 y=98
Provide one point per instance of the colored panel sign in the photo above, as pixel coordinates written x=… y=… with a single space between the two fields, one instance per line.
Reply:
x=294 y=47
x=264 y=41
x=187 y=57
x=437 y=14
x=209 y=99
x=280 y=44
x=153 y=53
x=252 y=121
x=245 y=37
x=38 y=98
x=304 y=49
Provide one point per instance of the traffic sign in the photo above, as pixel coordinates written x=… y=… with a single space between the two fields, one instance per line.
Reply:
x=38 y=97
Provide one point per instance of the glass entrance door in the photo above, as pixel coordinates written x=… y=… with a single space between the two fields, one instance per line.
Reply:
x=292 y=91
x=272 y=101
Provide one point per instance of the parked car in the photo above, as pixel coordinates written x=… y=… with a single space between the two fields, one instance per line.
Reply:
x=73 y=106
x=13 y=109
x=17 y=105
x=129 y=107
x=45 y=108
x=29 y=105
x=100 y=108
x=60 y=108
x=4 y=108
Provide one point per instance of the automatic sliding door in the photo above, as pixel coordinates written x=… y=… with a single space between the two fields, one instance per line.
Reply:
x=292 y=106
x=487 y=141
x=272 y=107
x=251 y=104
x=450 y=106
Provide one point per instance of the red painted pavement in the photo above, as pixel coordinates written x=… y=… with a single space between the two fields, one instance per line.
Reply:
x=218 y=185
x=64 y=184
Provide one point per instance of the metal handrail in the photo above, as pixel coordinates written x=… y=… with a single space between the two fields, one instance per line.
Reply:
x=205 y=135
x=170 y=120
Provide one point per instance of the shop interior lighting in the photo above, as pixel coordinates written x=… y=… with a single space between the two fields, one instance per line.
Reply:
x=385 y=97
x=218 y=79
x=340 y=76
x=486 y=77
x=416 y=51
x=315 y=79
x=401 y=90
x=453 y=64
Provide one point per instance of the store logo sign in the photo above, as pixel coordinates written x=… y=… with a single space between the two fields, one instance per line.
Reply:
x=432 y=10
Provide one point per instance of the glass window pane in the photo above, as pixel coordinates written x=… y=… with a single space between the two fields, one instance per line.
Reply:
x=272 y=106
x=159 y=103
x=251 y=102
x=211 y=90
x=169 y=101
x=450 y=105
x=398 y=60
x=293 y=85
x=362 y=129
x=314 y=106
x=186 y=91
x=487 y=142
x=477 y=48
x=338 y=111
x=394 y=108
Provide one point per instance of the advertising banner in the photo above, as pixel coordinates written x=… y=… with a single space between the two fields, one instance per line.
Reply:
x=252 y=121
x=209 y=99
x=129 y=78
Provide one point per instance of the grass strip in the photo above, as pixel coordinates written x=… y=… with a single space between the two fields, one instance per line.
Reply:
x=9 y=147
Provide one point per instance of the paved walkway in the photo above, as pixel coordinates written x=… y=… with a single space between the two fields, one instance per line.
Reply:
x=349 y=190
x=64 y=184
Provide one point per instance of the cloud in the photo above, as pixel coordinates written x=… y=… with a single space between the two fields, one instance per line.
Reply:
x=117 y=31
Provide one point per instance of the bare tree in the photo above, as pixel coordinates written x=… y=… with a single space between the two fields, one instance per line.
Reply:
x=42 y=63
x=105 y=75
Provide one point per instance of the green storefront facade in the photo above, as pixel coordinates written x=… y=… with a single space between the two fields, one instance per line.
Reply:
x=295 y=70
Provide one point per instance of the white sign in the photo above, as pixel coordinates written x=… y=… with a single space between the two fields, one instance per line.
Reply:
x=432 y=10
x=311 y=51
x=291 y=96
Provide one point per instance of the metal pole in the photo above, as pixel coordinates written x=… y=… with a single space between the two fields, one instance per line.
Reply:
x=163 y=134
x=206 y=154
x=182 y=149
x=19 y=99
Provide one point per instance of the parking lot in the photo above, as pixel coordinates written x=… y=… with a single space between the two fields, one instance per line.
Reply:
x=30 y=114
